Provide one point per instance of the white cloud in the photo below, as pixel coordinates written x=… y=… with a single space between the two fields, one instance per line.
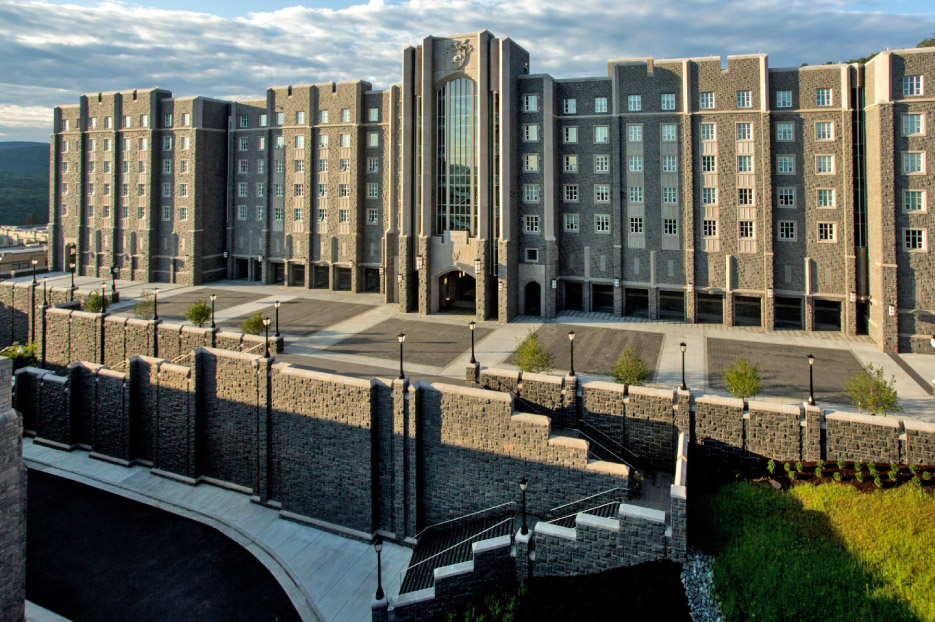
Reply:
x=49 y=53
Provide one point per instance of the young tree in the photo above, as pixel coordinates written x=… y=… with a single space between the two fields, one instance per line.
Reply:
x=869 y=390
x=146 y=306
x=253 y=325
x=531 y=354
x=743 y=380
x=198 y=313
x=95 y=303
x=928 y=42
x=630 y=369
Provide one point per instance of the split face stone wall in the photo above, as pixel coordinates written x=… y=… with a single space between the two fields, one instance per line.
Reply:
x=12 y=505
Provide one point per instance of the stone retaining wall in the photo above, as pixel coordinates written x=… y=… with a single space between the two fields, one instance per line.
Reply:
x=12 y=505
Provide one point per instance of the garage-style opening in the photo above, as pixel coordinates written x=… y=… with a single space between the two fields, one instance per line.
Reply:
x=672 y=305
x=602 y=298
x=787 y=312
x=709 y=309
x=827 y=315
x=533 y=298
x=636 y=302
x=748 y=311
x=572 y=299
x=457 y=292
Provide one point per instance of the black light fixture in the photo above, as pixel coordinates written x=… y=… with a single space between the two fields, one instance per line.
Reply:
x=811 y=380
x=113 y=278
x=401 y=337
x=571 y=345
x=45 y=284
x=213 y=297
x=477 y=266
x=2 y=255
x=155 y=303
x=35 y=262
x=103 y=295
x=266 y=323
x=472 y=325
x=418 y=262
x=378 y=547
x=683 y=347
x=276 y=305
x=523 y=483
x=71 y=266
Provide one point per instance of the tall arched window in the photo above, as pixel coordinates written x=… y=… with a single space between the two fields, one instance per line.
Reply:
x=456 y=161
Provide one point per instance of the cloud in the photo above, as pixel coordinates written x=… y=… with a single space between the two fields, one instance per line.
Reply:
x=50 y=53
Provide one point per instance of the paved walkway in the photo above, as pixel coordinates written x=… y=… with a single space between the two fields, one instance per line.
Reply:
x=326 y=576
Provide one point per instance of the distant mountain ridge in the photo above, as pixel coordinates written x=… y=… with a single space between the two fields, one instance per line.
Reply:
x=24 y=182
x=24 y=157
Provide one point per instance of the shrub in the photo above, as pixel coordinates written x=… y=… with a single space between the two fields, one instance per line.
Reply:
x=858 y=466
x=198 y=313
x=892 y=474
x=916 y=481
x=894 y=467
x=926 y=475
x=914 y=469
x=872 y=468
x=798 y=467
x=818 y=472
x=859 y=475
x=820 y=464
x=841 y=464
x=837 y=476
x=743 y=380
x=878 y=482
x=95 y=303
x=253 y=325
x=146 y=306
x=630 y=368
x=792 y=475
x=23 y=355
x=869 y=390
x=771 y=466
x=531 y=354
x=787 y=467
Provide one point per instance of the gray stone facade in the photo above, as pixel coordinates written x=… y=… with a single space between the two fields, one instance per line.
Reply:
x=12 y=505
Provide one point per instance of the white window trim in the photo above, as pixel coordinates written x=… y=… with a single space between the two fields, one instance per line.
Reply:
x=919 y=172
x=924 y=208
x=779 y=236
x=925 y=245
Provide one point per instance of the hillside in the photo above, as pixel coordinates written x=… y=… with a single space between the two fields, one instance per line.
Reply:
x=24 y=182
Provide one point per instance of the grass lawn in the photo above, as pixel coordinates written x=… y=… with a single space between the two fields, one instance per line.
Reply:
x=826 y=552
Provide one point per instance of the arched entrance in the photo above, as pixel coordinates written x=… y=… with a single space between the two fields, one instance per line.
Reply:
x=456 y=292
x=533 y=298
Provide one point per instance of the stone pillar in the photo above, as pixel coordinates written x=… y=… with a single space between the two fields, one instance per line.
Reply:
x=404 y=460
x=812 y=445
x=683 y=414
x=12 y=505
x=472 y=372
x=524 y=554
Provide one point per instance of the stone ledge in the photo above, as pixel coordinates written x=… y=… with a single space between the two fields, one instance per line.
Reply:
x=543 y=378
x=531 y=419
x=454 y=570
x=772 y=407
x=717 y=400
x=889 y=422
x=491 y=544
x=414 y=598
x=919 y=426
x=608 y=468
x=597 y=522
x=635 y=511
x=491 y=396
x=668 y=394
x=603 y=385
x=551 y=529
x=678 y=492
x=561 y=440
x=287 y=369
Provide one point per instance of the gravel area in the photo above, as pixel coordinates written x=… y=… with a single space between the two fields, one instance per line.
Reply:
x=698 y=579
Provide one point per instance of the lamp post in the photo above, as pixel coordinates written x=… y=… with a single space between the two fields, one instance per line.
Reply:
x=276 y=304
x=472 y=326
x=259 y=260
x=378 y=547
x=155 y=303
x=103 y=295
x=2 y=255
x=401 y=337
x=571 y=345
x=683 y=347
x=113 y=279
x=811 y=380
x=266 y=322
x=45 y=283
x=35 y=262
x=523 y=483
x=71 y=267
x=213 y=297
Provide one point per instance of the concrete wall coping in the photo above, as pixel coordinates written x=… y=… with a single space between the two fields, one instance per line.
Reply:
x=87 y=365
x=603 y=385
x=491 y=544
x=138 y=321
x=733 y=402
x=60 y=311
x=560 y=440
x=230 y=354
x=110 y=373
x=288 y=370
x=682 y=445
x=117 y=319
x=256 y=338
x=169 y=326
x=532 y=419
x=54 y=378
x=32 y=371
x=454 y=570
x=668 y=394
x=773 y=407
x=86 y=314
x=201 y=330
x=502 y=373
x=152 y=360
x=519 y=537
x=635 y=511
x=441 y=387
x=230 y=335
x=681 y=471
x=678 y=492
x=175 y=369
x=597 y=522
x=919 y=426
x=544 y=378
x=414 y=598
x=888 y=422
x=551 y=529
x=608 y=468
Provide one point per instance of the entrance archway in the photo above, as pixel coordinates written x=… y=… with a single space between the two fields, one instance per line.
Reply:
x=533 y=298
x=457 y=292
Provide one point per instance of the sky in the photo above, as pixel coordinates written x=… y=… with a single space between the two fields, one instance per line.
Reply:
x=53 y=51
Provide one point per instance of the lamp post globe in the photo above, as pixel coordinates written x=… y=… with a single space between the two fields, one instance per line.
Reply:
x=683 y=347
x=266 y=323
x=571 y=346
x=472 y=325
x=811 y=380
x=378 y=547
x=523 y=484
x=401 y=337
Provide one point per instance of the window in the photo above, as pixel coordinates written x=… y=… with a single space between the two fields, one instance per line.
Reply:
x=92 y=145
x=571 y=192
x=300 y=142
x=746 y=229
x=243 y=166
x=634 y=103
x=322 y=116
x=90 y=188
x=166 y=167
x=373 y=214
x=298 y=190
x=259 y=212
x=824 y=163
x=914 y=200
x=345 y=115
x=322 y=190
x=571 y=134
x=167 y=121
x=787 y=230
x=636 y=225
x=244 y=144
x=635 y=164
x=322 y=216
x=602 y=223
x=343 y=215
x=744 y=196
x=373 y=165
x=744 y=100
x=601 y=163
x=707 y=101
x=531 y=193
x=744 y=131
x=127 y=121
x=670 y=195
x=262 y=120
x=530 y=162
x=280 y=118
x=261 y=189
x=913 y=162
x=280 y=142
x=279 y=166
x=602 y=193
x=707 y=131
x=530 y=103
x=912 y=124
x=784 y=131
x=531 y=133
x=745 y=164
x=90 y=167
x=243 y=121
x=912 y=85
x=183 y=213
x=786 y=197
x=108 y=122
x=279 y=212
x=106 y=189
x=65 y=145
x=571 y=222
x=300 y=117
x=824 y=130
x=600 y=104
x=124 y=190
x=298 y=165
x=323 y=141
x=823 y=97
x=107 y=144
x=279 y=190
x=826 y=232
x=260 y=166
x=635 y=194
x=107 y=166
x=183 y=190
x=570 y=163
x=668 y=101
x=709 y=228
x=186 y=119
x=825 y=197
x=297 y=214
x=914 y=239
x=373 y=191
x=242 y=189
x=344 y=165
x=261 y=143
x=670 y=226
x=708 y=164
x=570 y=106
x=64 y=167
x=784 y=99
x=90 y=211
x=167 y=143
x=785 y=165
x=144 y=120
x=141 y=213
x=668 y=132
x=532 y=224
x=344 y=140
x=167 y=212
x=373 y=115
x=343 y=190
x=373 y=139
x=669 y=164
x=635 y=133
x=600 y=134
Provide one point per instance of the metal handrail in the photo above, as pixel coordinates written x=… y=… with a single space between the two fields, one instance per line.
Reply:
x=615 y=455
x=594 y=430
x=474 y=537
x=177 y=360
x=596 y=507
x=598 y=494
x=457 y=518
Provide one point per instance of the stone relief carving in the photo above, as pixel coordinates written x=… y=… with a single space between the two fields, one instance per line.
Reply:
x=460 y=50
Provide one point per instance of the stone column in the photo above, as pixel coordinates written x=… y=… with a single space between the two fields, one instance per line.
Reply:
x=12 y=505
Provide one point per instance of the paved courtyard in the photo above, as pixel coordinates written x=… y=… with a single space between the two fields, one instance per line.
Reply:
x=172 y=305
